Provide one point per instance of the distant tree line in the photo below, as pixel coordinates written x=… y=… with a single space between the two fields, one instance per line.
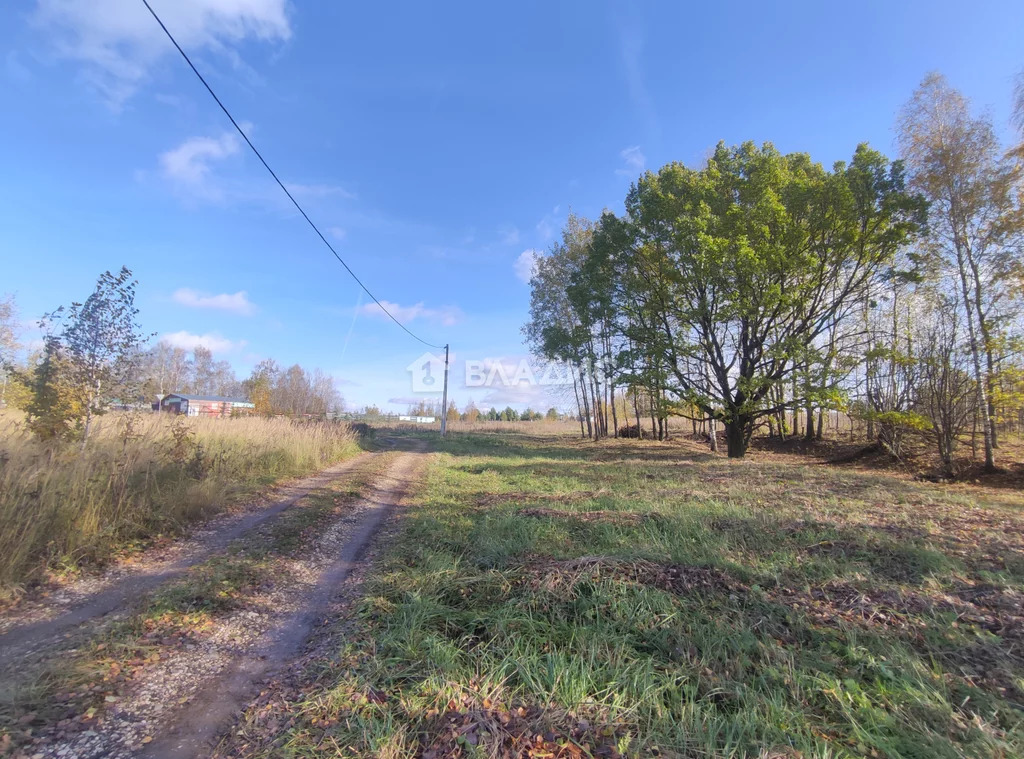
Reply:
x=763 y=290
x=294 y=391
x=270 y=387
x=473 y=414
x=94 y=356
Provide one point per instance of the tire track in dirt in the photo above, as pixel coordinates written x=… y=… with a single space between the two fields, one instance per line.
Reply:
x=44 y=625
x=177 y=708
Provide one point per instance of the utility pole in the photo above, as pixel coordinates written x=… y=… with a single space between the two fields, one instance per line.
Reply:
x=444 y=395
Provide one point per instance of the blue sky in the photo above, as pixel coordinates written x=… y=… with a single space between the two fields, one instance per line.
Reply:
x=436 y=144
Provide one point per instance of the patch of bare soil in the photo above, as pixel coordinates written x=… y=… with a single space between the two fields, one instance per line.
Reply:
x=613 y=517
x=515 y=732
x=983 y=539
x=916 y=459
x=829 y=449
x=979 y=608
x=561 y=575
x=192 y=686
x=42 y=620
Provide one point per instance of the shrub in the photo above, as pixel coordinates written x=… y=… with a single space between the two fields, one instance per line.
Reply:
x=632 y=431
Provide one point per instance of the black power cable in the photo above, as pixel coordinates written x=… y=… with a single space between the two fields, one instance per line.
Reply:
x=280 y=183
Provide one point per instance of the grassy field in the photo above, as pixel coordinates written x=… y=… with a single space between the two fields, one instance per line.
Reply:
x=62 y=506
x=552 y=598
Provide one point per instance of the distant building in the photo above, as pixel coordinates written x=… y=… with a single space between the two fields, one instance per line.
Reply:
x=418 y=419
x=205 y=405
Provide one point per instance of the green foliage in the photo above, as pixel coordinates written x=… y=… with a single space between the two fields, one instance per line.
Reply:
x=763 y=253
x=56 y=403
x=91 y=360
x=911 y=420
x=260 y=385
x=723 y=284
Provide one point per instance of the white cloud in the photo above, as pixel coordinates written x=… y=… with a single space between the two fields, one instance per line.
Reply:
x=192 y=168
x=189 y=163
x=211 y=341
x=634 y=159
x=118 y=41
x=412 y=400
x=445 y=315
x=317 y=190
x=237 y=303
x=526 y=264
x=338 y=233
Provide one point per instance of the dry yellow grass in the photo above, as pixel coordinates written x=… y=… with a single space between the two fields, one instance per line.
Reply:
x=139 y=475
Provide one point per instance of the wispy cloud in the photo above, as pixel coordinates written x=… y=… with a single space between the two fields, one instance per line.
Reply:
x=537 y=397
x=17 y=72
x=509 y=235
x=634 y=161
x=309 y=191
x=338 y=233
x=211 y=341
x=445 y=315
x=410 y=400
x=526 y=264
x=201 y=168
x=189 y=163
x=236 y=303
x=118 y=42
x=631 y=48
x=548 y=225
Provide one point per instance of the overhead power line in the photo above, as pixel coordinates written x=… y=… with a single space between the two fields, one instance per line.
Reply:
x=280 y=183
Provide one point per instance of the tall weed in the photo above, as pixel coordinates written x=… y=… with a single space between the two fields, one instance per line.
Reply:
x=139 y=475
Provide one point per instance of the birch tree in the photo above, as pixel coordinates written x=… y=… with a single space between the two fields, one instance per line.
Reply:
x=99 y=345
x=955 y=160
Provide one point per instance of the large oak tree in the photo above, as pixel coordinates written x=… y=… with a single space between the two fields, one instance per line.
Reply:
x=752 y=260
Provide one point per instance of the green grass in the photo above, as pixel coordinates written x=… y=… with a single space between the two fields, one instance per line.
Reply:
x=753 y=608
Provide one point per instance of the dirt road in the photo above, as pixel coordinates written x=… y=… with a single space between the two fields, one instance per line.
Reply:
x=189 y=690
